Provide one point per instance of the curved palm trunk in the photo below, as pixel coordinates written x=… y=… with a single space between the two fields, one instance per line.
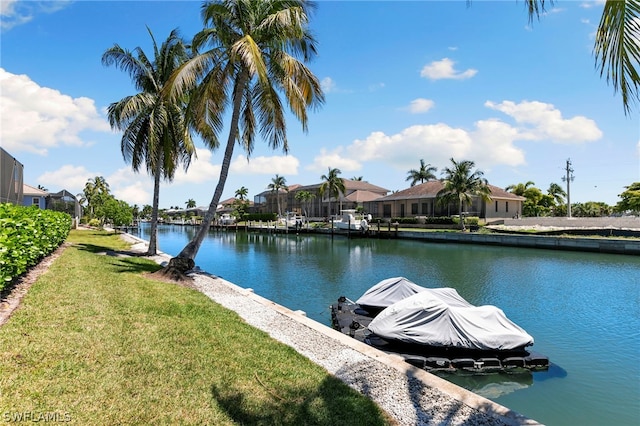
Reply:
x=153 y=237
x=185 y=259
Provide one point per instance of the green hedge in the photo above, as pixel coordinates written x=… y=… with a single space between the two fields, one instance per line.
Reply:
x=27 y=234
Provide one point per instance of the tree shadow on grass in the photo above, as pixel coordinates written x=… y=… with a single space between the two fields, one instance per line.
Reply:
x=127 y=260
x=329 y=404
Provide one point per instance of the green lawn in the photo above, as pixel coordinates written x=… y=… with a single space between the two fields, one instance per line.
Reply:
x=95 y=342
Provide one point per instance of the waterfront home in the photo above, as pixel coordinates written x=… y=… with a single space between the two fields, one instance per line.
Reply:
x=421 y=200
x=356 y=194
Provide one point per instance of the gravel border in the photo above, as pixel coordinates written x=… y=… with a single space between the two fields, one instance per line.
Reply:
x=410 y=395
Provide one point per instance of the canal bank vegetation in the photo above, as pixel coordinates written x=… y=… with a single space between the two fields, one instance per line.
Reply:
x=97 y=341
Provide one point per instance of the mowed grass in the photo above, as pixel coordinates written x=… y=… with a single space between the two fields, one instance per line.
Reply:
x=95 y=342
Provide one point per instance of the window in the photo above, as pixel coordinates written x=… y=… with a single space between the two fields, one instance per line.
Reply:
x=496 y=206
x=386 y=210
x=414 y=208
x=506 y=206
x=35 y=201
x=425 y=208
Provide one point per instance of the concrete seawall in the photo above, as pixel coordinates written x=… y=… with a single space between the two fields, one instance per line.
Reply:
x=598 y=245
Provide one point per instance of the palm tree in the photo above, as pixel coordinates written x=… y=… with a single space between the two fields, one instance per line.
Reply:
x=305 y=198
x=357 y=178
x=616 y=50
x=519 y=189
x=277 y=185
x=257 y=50
x=424 y=173
x=557 y=193
x=333 y=185
x=460 y=184
x=154 y=131
x=241 y=194
x=93 y=189
x=191 y=203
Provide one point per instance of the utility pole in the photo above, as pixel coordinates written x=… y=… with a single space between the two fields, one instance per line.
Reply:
x=568 y=178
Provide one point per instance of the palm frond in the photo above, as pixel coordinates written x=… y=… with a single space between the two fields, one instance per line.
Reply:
x=617 y=49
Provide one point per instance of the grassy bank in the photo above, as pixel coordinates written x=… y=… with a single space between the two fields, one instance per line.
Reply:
x=96 y=342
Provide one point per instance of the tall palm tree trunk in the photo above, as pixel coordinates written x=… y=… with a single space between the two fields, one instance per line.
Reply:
x=185 y=260
x=153 y=238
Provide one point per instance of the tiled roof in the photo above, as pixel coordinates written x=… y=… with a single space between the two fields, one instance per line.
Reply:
x=351 y=185
x=431 y=188
x=363 y=196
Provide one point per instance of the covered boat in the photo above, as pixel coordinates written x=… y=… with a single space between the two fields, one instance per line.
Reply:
x=387 y=292
x=436 y=329
x=441 y=317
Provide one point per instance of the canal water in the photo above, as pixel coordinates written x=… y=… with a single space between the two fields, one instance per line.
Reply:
x=583 y=309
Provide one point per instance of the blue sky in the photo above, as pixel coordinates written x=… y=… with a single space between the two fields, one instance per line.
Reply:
x=403 y=81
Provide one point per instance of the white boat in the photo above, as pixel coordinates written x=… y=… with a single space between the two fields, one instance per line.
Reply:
x=349 y=219
x=292 y=220
x=226 y=219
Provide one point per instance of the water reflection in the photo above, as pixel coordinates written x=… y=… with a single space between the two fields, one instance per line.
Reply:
x=577 y=306
x=491 y=385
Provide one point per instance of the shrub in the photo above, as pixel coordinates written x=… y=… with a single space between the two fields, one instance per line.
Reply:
x=27 y=234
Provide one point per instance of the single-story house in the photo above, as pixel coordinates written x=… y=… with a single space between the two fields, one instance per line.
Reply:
x=32 y=196
x=421 y=200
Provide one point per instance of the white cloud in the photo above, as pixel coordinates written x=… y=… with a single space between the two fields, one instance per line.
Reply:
x=36 y=119
x=543 y=121
x=443 y=69
x=436 y=143
x=375 y=87
x=328 y=85
x=420 y=105
x=69 y=177
x=132 y=187
x=14 y=12
x=277 y=164
x=200 y=170
x=335 y=160
x=592 y=3
x=491 y=142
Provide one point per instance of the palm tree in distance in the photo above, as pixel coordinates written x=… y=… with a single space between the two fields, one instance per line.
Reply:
x=332 y=185
x=277 y=185
x=257 y=50
x=154 y=132
x=305 y=198
x=519 y=189
x=460 y=184
x=558 y=194
x=190 y=203
x=424 y=173
x=93 y=189
x=241 y=193
x=357 y=178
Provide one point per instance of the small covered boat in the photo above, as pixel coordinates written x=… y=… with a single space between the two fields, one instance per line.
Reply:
x=436 y=329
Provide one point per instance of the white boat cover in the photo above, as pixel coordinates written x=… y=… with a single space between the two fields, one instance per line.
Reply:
x=441 y=317
x=389 y=291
